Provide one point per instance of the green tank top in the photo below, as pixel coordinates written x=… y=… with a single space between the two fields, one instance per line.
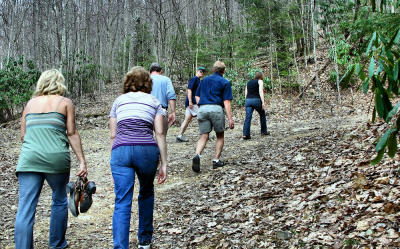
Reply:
x=45 y=147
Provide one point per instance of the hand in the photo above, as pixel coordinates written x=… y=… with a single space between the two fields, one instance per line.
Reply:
x=83 y=170
x=171 y=118
x=231 y=124
x=263 y=106
x=162 y=174
x=191 y=105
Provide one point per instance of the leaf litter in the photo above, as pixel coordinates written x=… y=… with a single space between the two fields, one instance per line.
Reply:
x=307 y=184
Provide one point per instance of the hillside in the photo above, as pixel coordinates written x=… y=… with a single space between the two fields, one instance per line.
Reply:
x=307 y=184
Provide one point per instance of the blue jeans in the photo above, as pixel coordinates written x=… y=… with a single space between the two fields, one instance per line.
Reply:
x=250 y=105
x=30 y=186
x=125 y=162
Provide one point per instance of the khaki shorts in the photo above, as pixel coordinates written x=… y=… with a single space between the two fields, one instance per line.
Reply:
x=192 y=112
x=210 y=116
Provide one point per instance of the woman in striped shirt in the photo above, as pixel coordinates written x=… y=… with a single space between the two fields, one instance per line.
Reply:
x=133 y=118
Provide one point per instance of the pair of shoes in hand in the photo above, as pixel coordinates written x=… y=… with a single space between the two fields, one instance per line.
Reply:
x=80 y=195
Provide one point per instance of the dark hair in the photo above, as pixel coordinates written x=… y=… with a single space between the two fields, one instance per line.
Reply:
x=155 y=67
x=259 y=76
x=137 y=79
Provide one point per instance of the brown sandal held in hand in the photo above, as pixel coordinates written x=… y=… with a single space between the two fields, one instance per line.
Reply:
x=80 y=195
x=86 y=199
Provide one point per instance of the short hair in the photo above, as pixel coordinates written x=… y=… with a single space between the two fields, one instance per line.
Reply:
x=137 y=79
x=259 y=76
x=50 y=82
x=219 y=67
x=155 y=67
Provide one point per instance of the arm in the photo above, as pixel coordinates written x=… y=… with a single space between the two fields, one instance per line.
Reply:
x=189 y=95
x=171 y=102
x=113 y=129
x=23 y=124
x=172 y=115
x=261 y=92
x=75 y=139
x=162 y=146
x=245 y=92
x=197 y=95
x=227 y=104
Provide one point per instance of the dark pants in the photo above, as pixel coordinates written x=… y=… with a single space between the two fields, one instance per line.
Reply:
x=250 y=105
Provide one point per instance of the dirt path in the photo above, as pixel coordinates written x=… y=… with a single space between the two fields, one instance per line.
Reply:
x=296 y=188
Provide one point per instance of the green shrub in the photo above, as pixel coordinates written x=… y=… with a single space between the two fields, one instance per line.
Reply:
x=17 y=78
x=238 y=86
x=291 y=84
x=344 y=58
x=383 y=79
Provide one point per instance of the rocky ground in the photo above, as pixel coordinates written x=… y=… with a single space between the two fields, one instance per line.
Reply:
x=307 y=185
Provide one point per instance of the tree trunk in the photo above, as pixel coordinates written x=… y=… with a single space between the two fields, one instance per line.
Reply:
x=271 y=57
x=294 y=51
x=314 y=49
x=277 y=70
x=356 y=8
x=336 y=66
x=304 y=34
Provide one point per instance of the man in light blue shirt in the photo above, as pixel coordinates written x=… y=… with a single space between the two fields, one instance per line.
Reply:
x=164 y=91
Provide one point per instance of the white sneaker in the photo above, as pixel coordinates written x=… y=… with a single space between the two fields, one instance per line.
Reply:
x=144 y=246
x=181 y=138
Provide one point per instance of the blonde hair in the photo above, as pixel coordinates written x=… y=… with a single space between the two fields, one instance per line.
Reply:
x=219 y=67
x=51 y=82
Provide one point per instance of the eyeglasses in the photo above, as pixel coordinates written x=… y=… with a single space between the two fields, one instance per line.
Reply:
x=201 y=71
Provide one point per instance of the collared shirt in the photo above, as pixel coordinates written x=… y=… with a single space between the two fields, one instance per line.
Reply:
x=213 y=90
x=162 y=89
x=193 y=85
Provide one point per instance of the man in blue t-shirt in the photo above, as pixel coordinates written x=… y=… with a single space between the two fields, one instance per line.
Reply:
x=213 y=94
x=164 y=91
x=190 y=103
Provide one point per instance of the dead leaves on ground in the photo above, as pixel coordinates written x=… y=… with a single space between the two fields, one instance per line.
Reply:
x=308 y=186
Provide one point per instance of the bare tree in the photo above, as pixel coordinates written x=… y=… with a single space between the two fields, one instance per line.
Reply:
x=314 y=32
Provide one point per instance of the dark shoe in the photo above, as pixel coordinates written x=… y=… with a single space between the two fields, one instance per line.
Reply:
x=86 y=203
x=265 y=133
x=72 y=203
x=246 y=137
x=196 y=163
x=181 y=139
x=218 y=164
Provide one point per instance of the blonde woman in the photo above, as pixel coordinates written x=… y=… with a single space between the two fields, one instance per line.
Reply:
x=47 y=129
x=254 y=94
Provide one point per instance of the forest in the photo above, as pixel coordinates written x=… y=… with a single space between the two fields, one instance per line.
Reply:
x=330 y=177
x=93 y=42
